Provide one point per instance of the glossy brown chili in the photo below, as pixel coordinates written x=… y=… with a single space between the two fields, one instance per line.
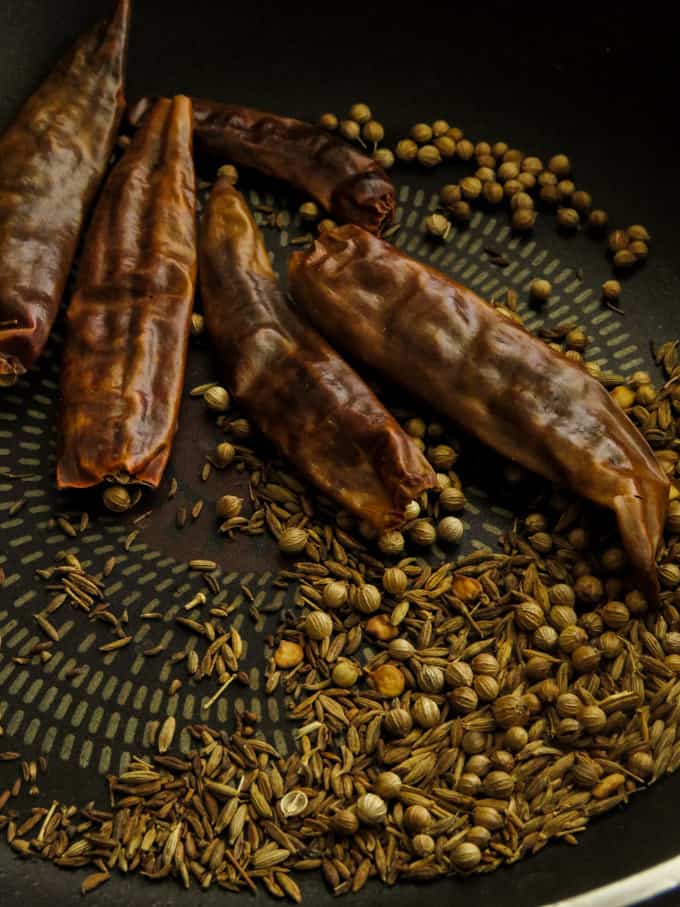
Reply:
x=349 y=184
x=299 y=392
x=52 y=159
x=442 y=342
x=129 y=318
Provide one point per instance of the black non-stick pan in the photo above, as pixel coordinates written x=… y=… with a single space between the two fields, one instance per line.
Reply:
x=595 y=83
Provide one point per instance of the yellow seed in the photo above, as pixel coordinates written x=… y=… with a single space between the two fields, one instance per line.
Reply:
x=560 y=165
x=328 y=121
x=450 y=194
x=611 y=290
x=388 y=680
x=380 y=627
x=540 y=290
x=406 y=150
x=384 y=157
x=216 y=398
x=421 y=133
x=229 y=173
x=438 y=226
x=229 y=506
x=373 y=131
x=318 y=625
x=117 y=498
x=292 y=541
x=289 y=654
x=350 y=130
x=429 y=156
x=309 y=211
x=360 y=113
x=624 y=396
x=445 y=146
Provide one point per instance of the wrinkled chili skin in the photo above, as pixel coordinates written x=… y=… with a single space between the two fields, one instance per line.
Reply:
x=52 y=159
x=299 y=392
x=348 y=184
x=442 y=342
x=129 y=319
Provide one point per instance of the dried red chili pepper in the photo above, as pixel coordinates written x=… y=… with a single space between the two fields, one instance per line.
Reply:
x=442 y=342
x=349 y=184
x=129 y=318
x=52 y=159
x=299 y=392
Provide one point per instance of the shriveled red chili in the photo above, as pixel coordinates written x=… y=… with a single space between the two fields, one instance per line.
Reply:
x=299 y=392
x=52 y=159
x=445 y=344
x=349 y=184
x=130 y=315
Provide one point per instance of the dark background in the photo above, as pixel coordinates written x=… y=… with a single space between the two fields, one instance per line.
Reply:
x=598 y=82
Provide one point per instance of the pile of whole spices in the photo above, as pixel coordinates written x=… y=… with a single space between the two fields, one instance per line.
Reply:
x=450 y=714
x=449 y=718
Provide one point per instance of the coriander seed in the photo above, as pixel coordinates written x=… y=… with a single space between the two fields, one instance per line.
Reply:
x=470 y=187
x=217 y=399
x=438 y=226
x=350 y=130
x=318 y=625
x=611 y=290
x=391 y=543
x=406 y=150
x=429 y=156
x=421 y=133
x=360 y=113
x=568 y=218
x=493 y=192
x=387 y=785
x=368 y=599
x=521 y=200
x=617 y=240
x=373 y=131
x=440 y=127
x=638 y=232
x=450 y=194
x=507 y=171
x=523 y=220
x=560 y=165
x=465 y=149
x=624 y=259
x=461 y=211
x=450 y=530
x=371 y=809
x=549 y=195
x=384 y=157
x=228 y=506
x=326 y=224
x=228 y=172
x=422 y=533
x=394 y=581
x=445 y=146
x=485 y=174
x=581 y=200
x=225 y=453
x=117 y=498
x=345 y=673
x=540 y=290
x=345 y=822
x=334 y=594
x=639 y=249
x=328 y=121
x=293 y=541
x=309 y=211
